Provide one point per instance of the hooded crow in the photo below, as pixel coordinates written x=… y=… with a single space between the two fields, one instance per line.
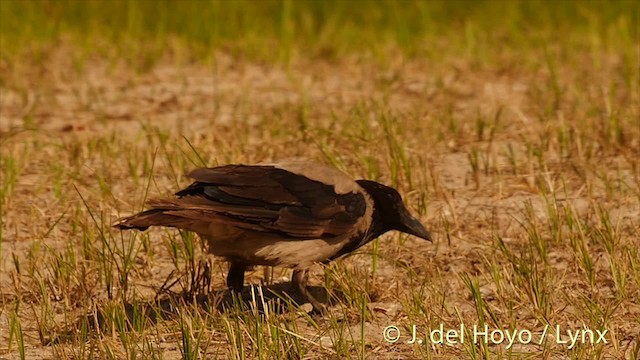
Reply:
x=293 y=213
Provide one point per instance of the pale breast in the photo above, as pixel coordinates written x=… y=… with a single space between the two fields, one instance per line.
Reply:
x=257 y=248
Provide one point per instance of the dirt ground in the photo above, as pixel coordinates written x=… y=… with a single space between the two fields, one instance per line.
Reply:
x=534 y=199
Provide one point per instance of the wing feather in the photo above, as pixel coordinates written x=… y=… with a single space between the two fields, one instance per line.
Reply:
x=268 y=199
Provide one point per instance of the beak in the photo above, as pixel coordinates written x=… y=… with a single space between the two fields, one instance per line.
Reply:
x=414 y=227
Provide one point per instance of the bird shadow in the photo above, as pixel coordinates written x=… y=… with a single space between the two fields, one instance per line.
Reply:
x=167 y=305
x=278 y=298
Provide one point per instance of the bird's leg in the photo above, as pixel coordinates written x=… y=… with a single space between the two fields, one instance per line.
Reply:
x=235 y=277
x=299 y=279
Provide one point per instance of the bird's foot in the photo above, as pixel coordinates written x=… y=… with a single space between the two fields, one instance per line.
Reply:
x=318 y=309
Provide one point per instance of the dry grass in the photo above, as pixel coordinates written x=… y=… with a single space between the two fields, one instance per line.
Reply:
x=526 y=169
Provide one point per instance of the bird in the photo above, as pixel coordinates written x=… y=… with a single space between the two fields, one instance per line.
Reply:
x=292 y=213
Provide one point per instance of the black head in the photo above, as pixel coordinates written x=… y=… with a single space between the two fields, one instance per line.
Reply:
x=390 y=213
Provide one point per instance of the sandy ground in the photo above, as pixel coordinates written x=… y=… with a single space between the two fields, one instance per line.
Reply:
x=237 y=111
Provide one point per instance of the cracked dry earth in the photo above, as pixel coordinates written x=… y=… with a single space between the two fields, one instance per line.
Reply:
x=487 y=197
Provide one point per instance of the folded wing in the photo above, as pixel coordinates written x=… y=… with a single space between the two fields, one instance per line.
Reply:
x=261 y=198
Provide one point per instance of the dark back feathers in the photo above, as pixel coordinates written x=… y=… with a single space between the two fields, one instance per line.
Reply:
x=264 y=198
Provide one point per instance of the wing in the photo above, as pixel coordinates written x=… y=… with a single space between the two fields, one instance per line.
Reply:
x=268 y=199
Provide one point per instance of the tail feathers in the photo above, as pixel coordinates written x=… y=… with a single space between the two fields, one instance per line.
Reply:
x=153 y=217
x=171 y=213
